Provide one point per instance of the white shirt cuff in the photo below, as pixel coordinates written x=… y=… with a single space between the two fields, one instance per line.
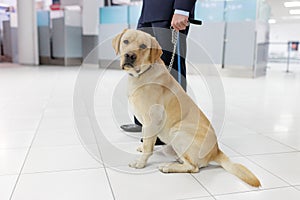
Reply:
x=182 y=12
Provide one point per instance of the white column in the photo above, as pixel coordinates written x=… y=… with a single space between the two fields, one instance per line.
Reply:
x=90 y=17
x=27 y=33
x=101 y=3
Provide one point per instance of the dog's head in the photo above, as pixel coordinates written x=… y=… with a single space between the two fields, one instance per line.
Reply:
x=138 y=51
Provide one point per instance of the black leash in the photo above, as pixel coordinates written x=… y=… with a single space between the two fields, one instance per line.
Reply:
x=194 y=21
x=175 y=40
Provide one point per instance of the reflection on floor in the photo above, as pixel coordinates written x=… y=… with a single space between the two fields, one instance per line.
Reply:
x=42 y=157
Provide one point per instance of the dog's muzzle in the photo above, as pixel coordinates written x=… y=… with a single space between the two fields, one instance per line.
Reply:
x=130 y=58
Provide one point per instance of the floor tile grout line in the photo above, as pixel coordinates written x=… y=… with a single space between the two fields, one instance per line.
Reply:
x=236 y=156
x=260 y=134
x=240 y=155
x=11 y=149
x=54 y=171
x=1 y=175
x=275 y=153
x=203 y=186
x=280 y=142
x=256 y=131
x=101 y=157
x=195 y=198
x=243 y=156
x=106 y=173
x=24 y=162
x=282 y=179
x=121 y=143
x=63 y=170
x=260 y=154
x=28 y=152
x=255 y=190
x=22 y=167
x=44 y=146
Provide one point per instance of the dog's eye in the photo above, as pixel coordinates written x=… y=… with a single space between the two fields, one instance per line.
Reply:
x=126 y=42
x=143 y=46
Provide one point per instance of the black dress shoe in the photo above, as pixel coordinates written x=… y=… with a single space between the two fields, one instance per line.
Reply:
x=158 y=142
x=131 y=128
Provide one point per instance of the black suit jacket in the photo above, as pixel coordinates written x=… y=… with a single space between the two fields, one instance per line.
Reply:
x=159 y=10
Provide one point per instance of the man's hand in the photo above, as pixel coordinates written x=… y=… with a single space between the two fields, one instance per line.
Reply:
x=179 y=22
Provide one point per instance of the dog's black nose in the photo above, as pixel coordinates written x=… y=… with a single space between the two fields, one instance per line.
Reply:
x=130 y=57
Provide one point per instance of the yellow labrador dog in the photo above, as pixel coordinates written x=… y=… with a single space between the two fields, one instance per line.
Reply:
x=167 y=112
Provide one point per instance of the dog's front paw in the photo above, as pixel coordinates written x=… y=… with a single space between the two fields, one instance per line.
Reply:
x=137 y=164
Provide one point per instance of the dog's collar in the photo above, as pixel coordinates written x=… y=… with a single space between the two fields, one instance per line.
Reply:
x=146 y=70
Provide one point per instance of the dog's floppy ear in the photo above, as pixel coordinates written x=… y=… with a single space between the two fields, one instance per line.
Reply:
x=116 y=41
x=156 y=50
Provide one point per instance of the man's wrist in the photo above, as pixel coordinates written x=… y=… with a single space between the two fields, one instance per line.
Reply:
x=182 y=12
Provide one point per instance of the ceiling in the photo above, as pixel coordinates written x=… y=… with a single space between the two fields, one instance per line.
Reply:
x=281 y=14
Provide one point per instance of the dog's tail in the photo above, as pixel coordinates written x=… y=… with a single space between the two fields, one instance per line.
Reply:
x=237 y=169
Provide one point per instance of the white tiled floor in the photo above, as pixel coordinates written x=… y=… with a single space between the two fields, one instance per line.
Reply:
x=76 y=185
x=155 y=185
x=42 y=157
x=291 y=139
x=274 y=194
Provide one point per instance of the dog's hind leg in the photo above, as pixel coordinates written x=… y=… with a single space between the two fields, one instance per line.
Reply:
x=185 y=167
x=184 y=145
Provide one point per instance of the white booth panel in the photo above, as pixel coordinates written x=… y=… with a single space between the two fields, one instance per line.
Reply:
x=90 y=17
x=205 y=43
x=106 y=34
x=240 y=45
x=27 y=33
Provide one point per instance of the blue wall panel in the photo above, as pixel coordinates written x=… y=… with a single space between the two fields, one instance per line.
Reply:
x=114 y=15
x=43 y=18
x=209 y=11
x=241 y=10
x=236 y=10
